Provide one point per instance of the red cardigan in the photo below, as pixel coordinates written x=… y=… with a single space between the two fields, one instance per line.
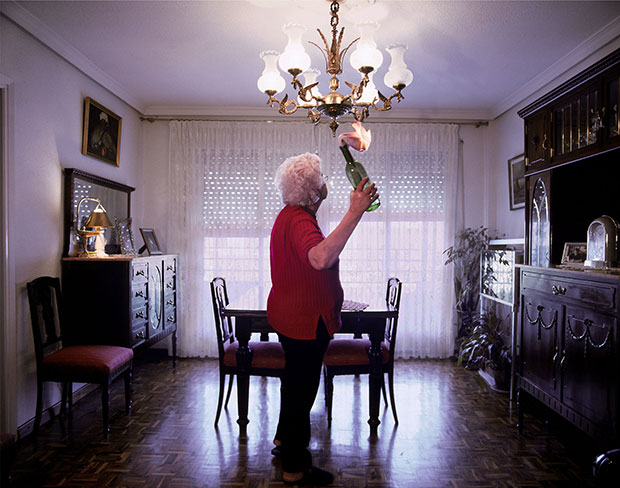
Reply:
x=299 y=293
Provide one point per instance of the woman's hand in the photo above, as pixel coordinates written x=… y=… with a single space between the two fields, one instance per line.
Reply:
x=361 y=198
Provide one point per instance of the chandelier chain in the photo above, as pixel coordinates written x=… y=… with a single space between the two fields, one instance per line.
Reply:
x=335 y=6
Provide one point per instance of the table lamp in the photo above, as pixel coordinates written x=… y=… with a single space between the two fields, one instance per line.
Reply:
x=97 y=221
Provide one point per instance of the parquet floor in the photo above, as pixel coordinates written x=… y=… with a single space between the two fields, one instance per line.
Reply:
x=453 y=432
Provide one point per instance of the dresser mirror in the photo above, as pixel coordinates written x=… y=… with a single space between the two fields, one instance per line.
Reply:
x=115 y=198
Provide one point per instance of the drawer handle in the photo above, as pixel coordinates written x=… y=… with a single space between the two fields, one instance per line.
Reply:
x=140 y=335
x=170 y=301
x=140 y=294
x=169 y=285
x=140 y=315
x=140 y=272
x=558 y=290
x=170 y=318
x=169 y=268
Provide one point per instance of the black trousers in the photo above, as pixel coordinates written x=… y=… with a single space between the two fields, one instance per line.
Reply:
x=300 y=384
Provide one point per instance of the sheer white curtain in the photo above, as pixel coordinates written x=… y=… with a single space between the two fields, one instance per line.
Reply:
x=224 y=203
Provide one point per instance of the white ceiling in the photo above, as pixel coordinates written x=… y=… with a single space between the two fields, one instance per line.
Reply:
x=470 y=59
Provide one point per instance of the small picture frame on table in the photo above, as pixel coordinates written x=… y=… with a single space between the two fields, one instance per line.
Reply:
x=125 y=236
x=574 y=253
x=151 y=244
x=516 y=181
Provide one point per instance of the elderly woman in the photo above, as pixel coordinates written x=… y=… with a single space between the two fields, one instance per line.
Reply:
x=305 y=301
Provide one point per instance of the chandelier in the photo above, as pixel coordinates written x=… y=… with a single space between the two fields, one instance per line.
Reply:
x=366 y=59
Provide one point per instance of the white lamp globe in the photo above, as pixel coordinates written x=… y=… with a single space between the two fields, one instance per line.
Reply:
x=366 y=53
x=270 y=80
x=398 y=74
x=294 y=56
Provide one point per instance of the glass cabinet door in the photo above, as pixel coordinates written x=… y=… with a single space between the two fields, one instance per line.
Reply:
x=577 y=123
x=539 y=225
x=613 y=96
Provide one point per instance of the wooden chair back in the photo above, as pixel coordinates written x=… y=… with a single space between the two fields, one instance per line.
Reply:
x=45 y=299
x=392 y=300
x=223 y=324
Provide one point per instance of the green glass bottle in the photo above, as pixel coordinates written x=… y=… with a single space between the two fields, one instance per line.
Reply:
x=356 y=173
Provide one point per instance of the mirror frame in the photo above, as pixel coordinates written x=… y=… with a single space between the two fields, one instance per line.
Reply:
x=70 y=175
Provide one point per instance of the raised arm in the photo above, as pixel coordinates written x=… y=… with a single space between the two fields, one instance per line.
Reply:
x=325 y=254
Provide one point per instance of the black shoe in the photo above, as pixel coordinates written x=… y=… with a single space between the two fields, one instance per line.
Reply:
x=276 y=451
x=313 y=477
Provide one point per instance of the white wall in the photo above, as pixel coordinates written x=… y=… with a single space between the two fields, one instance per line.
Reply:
x=47 y=96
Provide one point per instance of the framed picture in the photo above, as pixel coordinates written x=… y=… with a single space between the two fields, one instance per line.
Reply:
x=125 y=236
x=574 y=252
x=516 y=182
x=101 y=136
x=150 y=242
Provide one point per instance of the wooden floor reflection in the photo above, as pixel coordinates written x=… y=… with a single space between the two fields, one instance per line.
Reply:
x=453 y=432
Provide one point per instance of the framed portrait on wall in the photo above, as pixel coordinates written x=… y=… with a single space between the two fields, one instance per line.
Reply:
x=101 y=135
x=516 y=182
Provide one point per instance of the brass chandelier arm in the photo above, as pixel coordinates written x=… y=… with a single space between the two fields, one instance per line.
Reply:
x=283 y=105
x=387 y=102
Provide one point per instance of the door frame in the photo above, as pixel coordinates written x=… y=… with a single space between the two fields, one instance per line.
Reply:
x=8 y=335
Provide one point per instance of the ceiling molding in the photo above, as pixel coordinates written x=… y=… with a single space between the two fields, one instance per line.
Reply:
x=605 y=40
x=31 y=24
x=267 y=113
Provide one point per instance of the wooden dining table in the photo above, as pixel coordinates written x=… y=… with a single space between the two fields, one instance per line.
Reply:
x=254 y=320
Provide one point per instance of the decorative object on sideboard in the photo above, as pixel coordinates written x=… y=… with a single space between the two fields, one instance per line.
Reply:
x=574 y=253
x=602 y=247
x=151 y=244
x=366 y=59
x=93 y=227
x=101 y=136
x=125 y=236
x=516 y=181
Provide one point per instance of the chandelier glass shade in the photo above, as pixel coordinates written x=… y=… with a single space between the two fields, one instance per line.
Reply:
x=366 y=59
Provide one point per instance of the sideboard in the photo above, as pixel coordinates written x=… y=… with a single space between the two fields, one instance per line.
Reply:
x=567 y=354
x=121 y=300
x=568 y=350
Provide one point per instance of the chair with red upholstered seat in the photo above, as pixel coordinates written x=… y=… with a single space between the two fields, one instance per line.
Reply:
x=350 y=356
x=97 y=364
x=267 y=357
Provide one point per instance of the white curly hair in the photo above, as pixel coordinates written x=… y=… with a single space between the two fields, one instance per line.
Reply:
x=299 y=180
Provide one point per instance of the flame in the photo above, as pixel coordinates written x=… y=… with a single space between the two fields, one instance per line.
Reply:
x=359 y=140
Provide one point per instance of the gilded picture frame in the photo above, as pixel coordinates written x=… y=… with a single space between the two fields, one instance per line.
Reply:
x=101 y=135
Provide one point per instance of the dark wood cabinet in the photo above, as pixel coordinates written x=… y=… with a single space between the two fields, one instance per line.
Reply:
x=121 y=300
x=567 y=353
x=537 y=141
x=568 y=349
x=576 y=120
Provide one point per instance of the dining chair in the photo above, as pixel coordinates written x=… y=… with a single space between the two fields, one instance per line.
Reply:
x=350 y=356
x=68 y=364
x=267 y=357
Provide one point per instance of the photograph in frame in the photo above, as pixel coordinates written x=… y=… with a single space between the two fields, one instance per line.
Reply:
x=516 y=182
x=151 y=244
x=574 y=252
x=101 y=135
x=125 y=237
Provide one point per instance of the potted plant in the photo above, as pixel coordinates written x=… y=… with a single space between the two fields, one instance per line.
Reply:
x=465 y=255
x=485 y=349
